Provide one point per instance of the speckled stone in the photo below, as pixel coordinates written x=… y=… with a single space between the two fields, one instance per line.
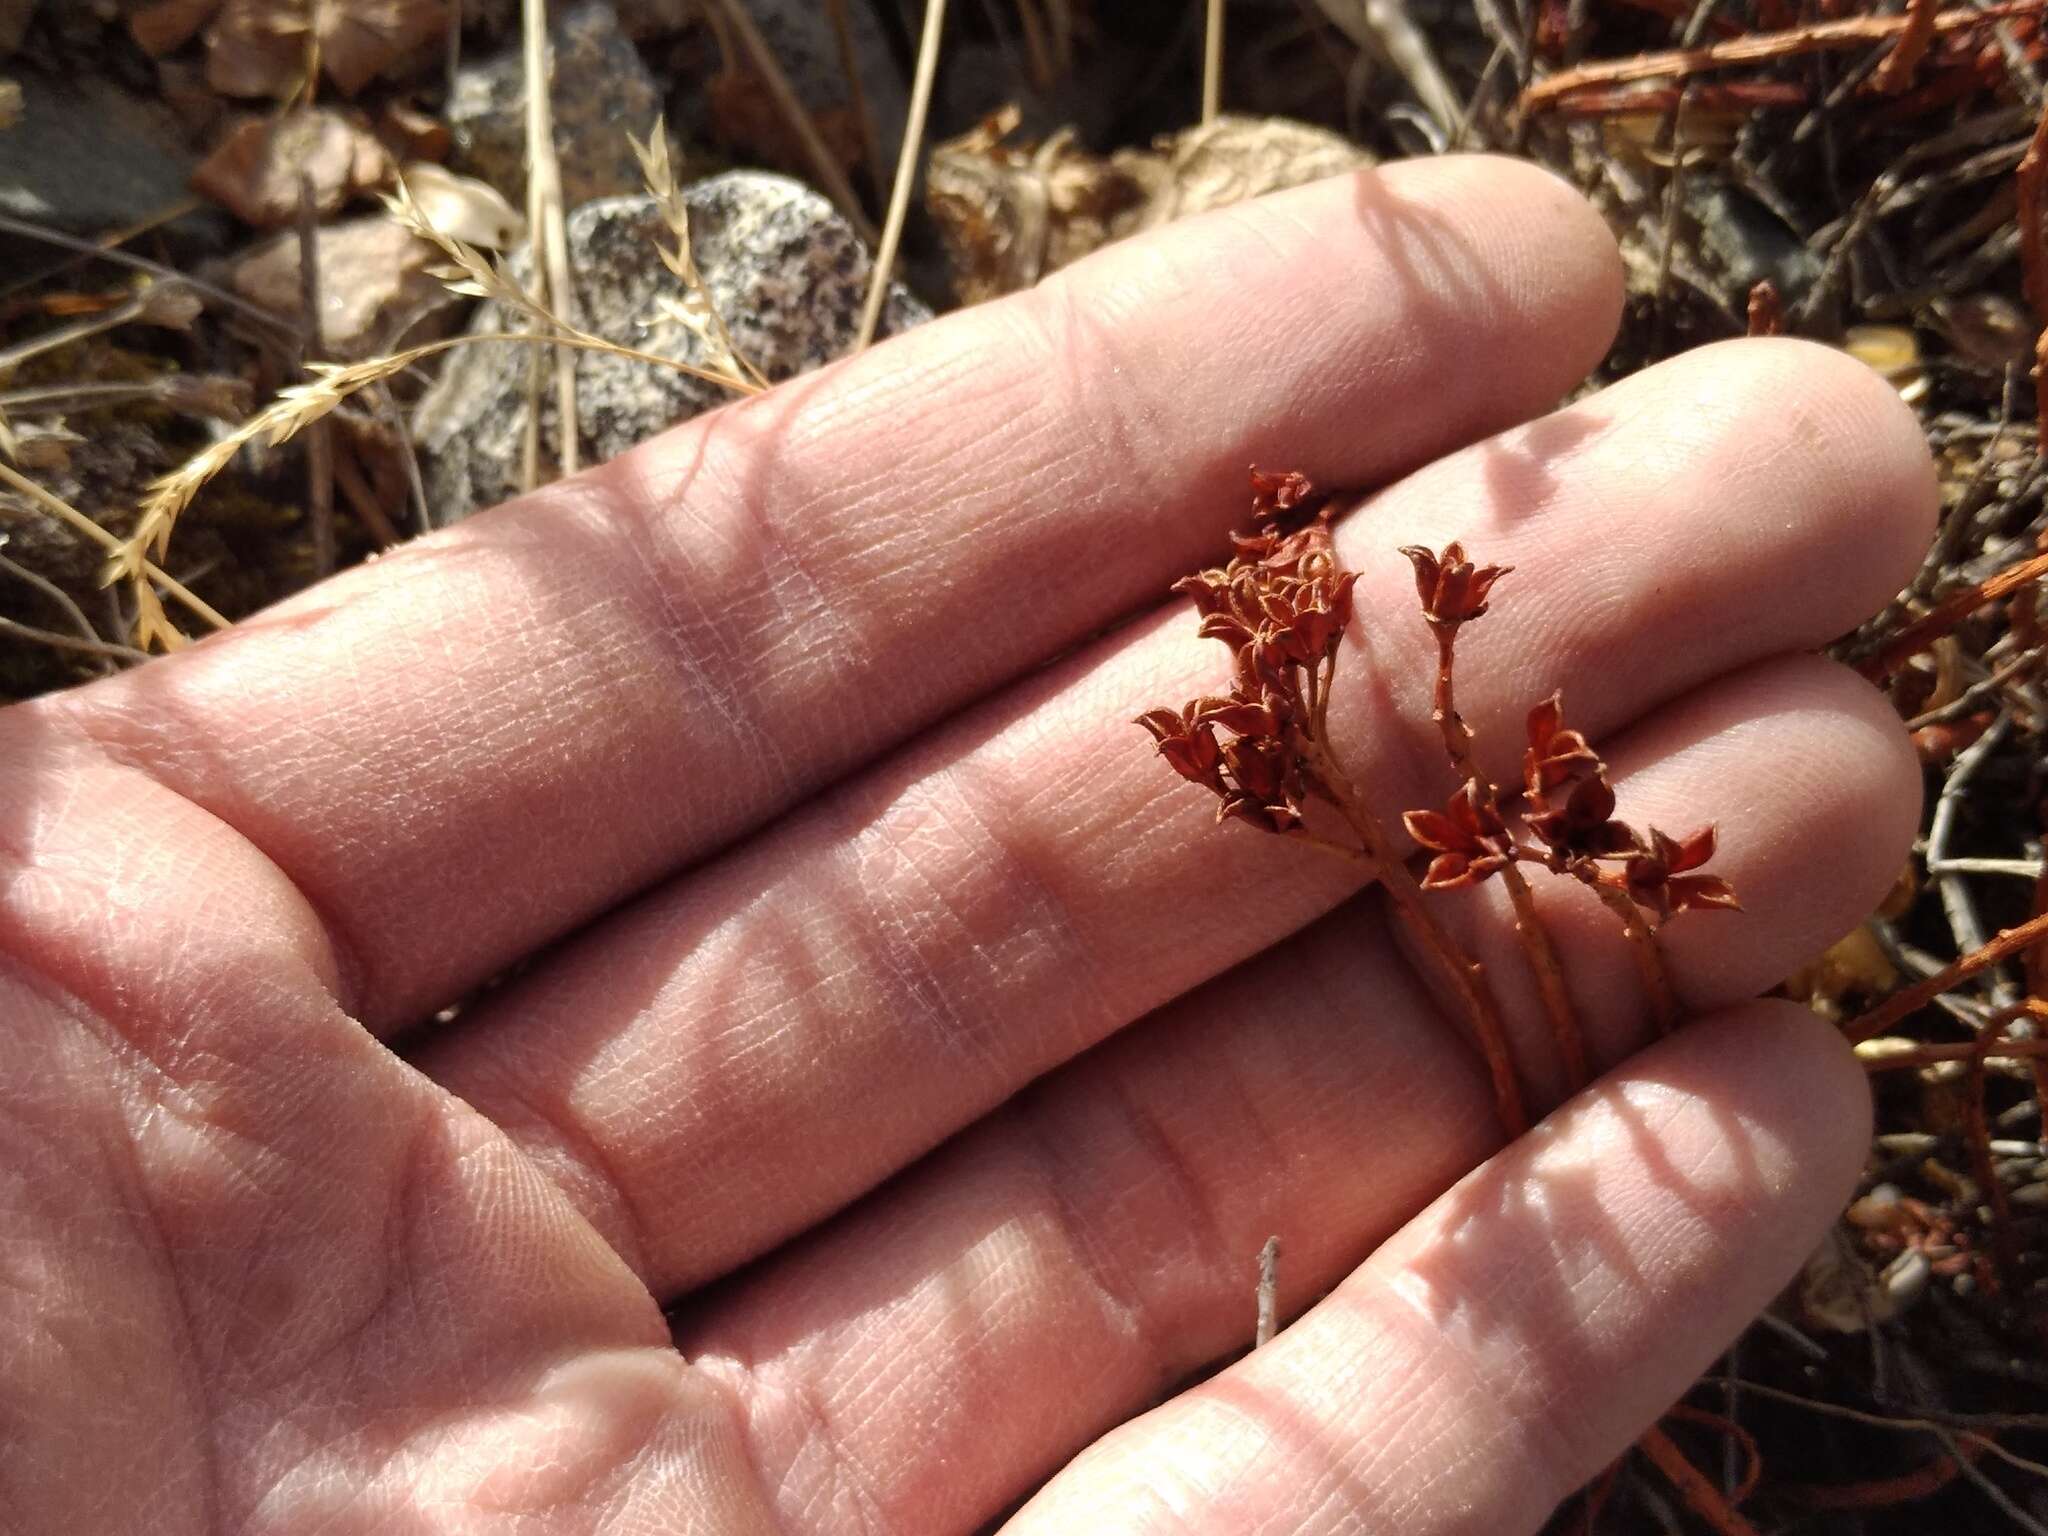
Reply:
x=786 y=272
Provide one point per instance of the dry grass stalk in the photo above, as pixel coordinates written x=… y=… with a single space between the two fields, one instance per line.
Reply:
x=695 y=311
x=906 y=172
x=467 y=274
x=1212 y=63
x=320 y=439
x=823 y=164
x=1820 y=37
x=548 y=231
x=147 y=576
x=856 y=91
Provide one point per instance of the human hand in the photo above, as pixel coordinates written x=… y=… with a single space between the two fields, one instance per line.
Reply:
x=923 y=912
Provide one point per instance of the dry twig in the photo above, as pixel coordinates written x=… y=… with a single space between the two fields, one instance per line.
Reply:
x=1819 y=37
x=1901 y=1005
x=906 y=172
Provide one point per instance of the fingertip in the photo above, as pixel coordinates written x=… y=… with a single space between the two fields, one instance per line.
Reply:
x=1552 y=255
x=1814 y=789
x=1784 y=1069
x=1832 y=427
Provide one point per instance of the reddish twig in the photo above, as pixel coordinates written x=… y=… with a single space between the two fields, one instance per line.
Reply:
x=1820 y=37
x=1902 y=1005
x=1705 y=1499
x=1898 y=66
x=1877 y=1493
x=2027 y=185
x=1700 y=100
x=1598 y=1492
x=1721 y=1424
x=1930 y=627
x=1977 y=1133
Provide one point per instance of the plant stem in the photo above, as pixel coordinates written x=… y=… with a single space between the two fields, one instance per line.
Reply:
x=1648 y=952
x=906 y=172
x=544 y=213
x=1212 y=63
x=1466 y=977
x=764 y=63
x=65 y=512
x=1692 y=1484
x=1818 y=37
x=2008 y=942
x=1529 y=929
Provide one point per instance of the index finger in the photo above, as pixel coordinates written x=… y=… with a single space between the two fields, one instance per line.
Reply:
x=481 y=741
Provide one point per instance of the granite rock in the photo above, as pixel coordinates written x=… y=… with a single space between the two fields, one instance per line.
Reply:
x=784 y=269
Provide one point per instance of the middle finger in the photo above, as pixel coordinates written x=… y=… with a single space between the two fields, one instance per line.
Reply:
x=748 y=1049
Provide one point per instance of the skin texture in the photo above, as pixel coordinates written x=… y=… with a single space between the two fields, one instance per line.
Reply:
x=894 y=1034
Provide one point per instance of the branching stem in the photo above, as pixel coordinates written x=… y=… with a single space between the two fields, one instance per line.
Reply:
x=1465 y=976
x=1529 y=929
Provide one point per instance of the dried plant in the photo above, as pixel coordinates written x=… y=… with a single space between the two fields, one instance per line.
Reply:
x=467 y=273
x=695 y=310
x=1283 y=606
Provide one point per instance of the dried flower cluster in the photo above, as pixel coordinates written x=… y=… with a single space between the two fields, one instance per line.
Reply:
x=1283 y=605
x=1567 y=805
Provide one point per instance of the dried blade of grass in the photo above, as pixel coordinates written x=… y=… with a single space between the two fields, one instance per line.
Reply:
x=303 y=403
x=1268 y=1322
x=93 y=646
x=1037 y=46
x=319 y=440
x=830 y=177
x=1384 y=27
x=30 y=230
x=856 y=92
x=906 y=172
x=468 y=274
x=63 y=603
x=146 y=572
x=1212 y=62
x=696 y=311
x=546 y=223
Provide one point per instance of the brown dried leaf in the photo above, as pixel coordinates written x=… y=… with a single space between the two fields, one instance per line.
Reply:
x=169 y=24
x=15 y=16
x=372 y=270
x=1012 y=213
x=259 y=47
x=255 y=171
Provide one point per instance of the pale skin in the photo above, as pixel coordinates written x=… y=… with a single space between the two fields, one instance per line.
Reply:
x=893 y=1074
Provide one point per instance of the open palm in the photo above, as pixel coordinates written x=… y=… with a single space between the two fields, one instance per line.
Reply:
x=892 y=1075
